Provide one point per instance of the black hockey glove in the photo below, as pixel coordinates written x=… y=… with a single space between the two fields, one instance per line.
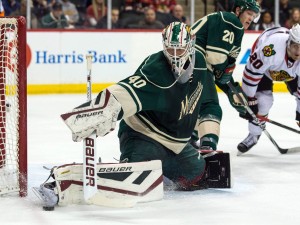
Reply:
x=224 y=76
x=234 y=100
x=298 y=118
x=252 y=103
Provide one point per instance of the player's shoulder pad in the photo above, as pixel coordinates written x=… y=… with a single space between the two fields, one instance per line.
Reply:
x=156 y=69
x=200 y=61
x=231 y=19
x=274 y=45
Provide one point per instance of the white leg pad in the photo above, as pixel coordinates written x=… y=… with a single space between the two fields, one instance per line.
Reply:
x=118 y=184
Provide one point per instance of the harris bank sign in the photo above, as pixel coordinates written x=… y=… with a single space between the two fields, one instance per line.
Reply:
x=59 y=57
x=46 y=57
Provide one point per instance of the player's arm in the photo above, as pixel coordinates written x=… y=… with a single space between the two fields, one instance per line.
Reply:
x=210 y=115
x=223 y=72
x=254 y=71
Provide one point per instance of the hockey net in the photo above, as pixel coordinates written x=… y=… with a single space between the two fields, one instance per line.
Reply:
x=13 y=106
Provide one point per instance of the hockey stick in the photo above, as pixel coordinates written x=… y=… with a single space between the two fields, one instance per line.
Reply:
x=89 y=148
x=261 y=118
x=262 y=126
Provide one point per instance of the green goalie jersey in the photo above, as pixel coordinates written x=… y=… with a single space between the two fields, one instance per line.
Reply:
x=219 y=37
x=157 y=106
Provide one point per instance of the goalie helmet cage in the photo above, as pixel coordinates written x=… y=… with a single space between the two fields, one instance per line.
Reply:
x=13 y=106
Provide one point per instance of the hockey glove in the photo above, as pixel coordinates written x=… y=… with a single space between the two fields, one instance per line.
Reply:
x=298 y=118
x=234 y=100
x=224 y=76
x=252 y=103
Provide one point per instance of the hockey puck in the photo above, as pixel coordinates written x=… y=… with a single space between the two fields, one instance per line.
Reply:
x=48 y=208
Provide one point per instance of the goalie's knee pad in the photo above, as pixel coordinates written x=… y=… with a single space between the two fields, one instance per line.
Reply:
x=100 y=115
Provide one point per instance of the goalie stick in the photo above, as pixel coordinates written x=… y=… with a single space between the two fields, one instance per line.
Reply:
x=281 y=150
x=89 y=147
x=278 y=124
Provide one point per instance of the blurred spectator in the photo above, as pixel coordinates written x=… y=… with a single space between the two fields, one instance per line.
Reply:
x=266 y=21
x=294 y=18
x=142 y=5
x=267 y=4
x=178 y=14
x=129 y=5
x=223 y=5
x=284 y=11
x=55 y=19
x=115 y=24
x=130 y=18
x=149 y=21
x=10 y=6
x=164 y=6
x=94 y=12
x=70 y=11
x=23 y=12
x=2 y=13
x=41 y=8
x=118 y=4
x=263 y=7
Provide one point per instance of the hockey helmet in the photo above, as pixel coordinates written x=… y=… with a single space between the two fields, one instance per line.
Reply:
x=294 y=34
x=247 y=5
x=178 y=45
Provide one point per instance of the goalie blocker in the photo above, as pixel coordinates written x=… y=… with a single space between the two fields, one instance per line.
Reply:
x=218 y=169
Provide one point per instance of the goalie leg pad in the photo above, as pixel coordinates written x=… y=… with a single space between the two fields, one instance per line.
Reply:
x=100 y=115
x=118 y=184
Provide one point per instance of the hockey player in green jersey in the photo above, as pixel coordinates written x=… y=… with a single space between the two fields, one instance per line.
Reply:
x=158 y=107
x=218 y=37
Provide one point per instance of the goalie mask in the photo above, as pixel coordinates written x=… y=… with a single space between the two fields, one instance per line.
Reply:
x=293 y=45
x=178 y=47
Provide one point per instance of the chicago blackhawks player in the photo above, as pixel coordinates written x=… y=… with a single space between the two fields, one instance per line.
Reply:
x=275 y=56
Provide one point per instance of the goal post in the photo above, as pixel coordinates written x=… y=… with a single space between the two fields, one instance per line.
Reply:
x=13 y=106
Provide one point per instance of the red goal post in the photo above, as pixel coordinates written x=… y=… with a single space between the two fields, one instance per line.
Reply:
x=13 y=106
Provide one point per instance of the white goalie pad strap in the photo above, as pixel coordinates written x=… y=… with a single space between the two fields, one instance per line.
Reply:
x=118 y=184
x=99 y=115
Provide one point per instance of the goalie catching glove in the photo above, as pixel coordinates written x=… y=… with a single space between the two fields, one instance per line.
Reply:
x=99 y=115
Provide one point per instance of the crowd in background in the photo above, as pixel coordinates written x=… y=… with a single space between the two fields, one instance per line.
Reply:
x=92 y=14
x=134 y=14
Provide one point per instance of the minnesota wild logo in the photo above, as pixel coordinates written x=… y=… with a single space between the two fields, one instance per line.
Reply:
x=268 y=50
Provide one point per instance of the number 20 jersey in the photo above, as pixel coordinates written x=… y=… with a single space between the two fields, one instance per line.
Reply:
x=269 y=58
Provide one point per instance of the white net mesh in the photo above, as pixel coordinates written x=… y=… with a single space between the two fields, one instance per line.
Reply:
x=9 y=106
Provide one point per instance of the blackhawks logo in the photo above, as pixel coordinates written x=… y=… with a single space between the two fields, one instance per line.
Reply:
x=268 y=50
x=280 y=75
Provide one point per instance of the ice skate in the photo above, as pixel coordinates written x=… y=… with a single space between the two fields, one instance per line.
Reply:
x=248 y=143
x=46 y=194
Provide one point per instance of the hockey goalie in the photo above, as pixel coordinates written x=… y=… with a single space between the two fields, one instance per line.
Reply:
x=158 y=109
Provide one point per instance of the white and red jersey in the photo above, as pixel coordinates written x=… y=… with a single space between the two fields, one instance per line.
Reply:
x=269 y=58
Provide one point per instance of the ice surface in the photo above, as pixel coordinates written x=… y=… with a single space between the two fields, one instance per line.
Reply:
x=266 y=183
